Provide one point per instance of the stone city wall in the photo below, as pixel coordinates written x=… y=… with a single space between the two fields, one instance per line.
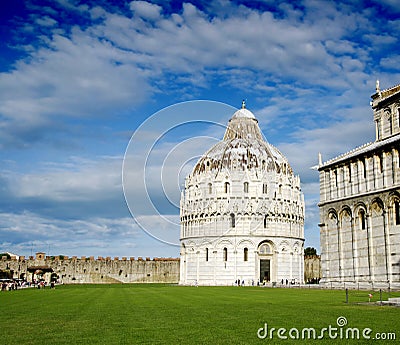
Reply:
x=88 y=270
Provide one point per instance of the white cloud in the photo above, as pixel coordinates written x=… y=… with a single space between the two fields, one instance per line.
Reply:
x=393 y=5
x=80 y=76
x=330 y=142
x=27 y=233
x=118 y=62
x=145 y=9
x=46 y=21
x=390 y=62
x=79 y=181
x=381 y=39
x=190 y=41
x=94 y=236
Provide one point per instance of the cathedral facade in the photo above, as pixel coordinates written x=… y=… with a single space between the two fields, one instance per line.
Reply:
x=242 y=212
x=359 y=205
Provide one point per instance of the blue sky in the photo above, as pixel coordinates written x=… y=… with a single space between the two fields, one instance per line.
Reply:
x=79 y=78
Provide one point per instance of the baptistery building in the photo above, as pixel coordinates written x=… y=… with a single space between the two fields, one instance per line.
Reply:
x=242 y=212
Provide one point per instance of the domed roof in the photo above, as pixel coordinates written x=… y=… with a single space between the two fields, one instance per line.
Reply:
x=244 y=113
x=243 y=147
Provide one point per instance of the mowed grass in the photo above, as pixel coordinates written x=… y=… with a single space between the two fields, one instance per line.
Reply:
x=166 y=314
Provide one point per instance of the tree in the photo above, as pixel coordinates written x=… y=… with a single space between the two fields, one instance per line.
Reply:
x=310 y=251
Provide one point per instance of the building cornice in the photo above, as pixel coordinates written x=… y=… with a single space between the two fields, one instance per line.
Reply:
x=360 y=151
x=240 y=236
x=382 y=95
x=359 y=195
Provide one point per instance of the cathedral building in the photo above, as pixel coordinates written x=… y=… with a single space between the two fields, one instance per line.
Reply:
x=359 y=205
x=242 y=212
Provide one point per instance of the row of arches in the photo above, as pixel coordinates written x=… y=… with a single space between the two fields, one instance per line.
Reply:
x=225 y=254
x=266 y=246
x=282 y=225
x=367 y=173
x=260 y=185
x=233 y=216
x=245 y=207
x=359 y=241
x=362 y=210
x=227 y=187
x=224 y=261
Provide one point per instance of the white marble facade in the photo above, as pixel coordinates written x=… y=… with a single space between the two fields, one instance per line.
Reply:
x=242 y=212
x=359 y=205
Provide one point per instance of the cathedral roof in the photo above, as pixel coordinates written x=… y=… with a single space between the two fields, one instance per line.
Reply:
x=381 y=95
x=243 y=147
x=360 y=151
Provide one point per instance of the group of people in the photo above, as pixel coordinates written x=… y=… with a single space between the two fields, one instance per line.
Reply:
x=42 y=284
x=286 y=282
x=313 y=281
x=9 y=285
x=239 y=282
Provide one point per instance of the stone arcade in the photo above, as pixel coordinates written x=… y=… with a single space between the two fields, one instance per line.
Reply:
x=359 y=205
x=242 y=212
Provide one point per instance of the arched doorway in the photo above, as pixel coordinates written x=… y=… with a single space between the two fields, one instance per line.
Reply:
x=39 y=272
x=266 y=262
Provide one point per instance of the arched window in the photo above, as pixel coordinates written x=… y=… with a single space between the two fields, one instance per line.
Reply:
x=379 y=163
x=361 y=215
x=265 y=249
x=265 y=188
x=396 y=213
x=245 y=254
x=378 y=129
x=360 y=169
x=209 y=188
x=349 y=170
x=246 y=187
x=233 y=223
x=225 y=254
x=396 y=154
x=398 y=117
x=365 y=168
x=206 y=254
x=227 y=187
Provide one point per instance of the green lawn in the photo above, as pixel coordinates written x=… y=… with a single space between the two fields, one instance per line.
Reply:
x=165 y=314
